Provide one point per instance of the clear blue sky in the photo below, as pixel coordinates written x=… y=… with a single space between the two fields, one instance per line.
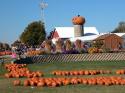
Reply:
x=15 y=15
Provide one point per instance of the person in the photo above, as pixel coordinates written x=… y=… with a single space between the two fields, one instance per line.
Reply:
x=19 y=53
x=14 y=57
x=14 y=48
x=2 y=61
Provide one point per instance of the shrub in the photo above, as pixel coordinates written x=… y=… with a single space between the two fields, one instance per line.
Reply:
x=93 y=50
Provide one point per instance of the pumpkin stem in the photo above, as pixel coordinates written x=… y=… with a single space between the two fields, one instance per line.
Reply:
x=78 y=15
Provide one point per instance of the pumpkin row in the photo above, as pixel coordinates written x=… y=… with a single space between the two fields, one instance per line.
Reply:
x=20 y=70
x=56 y=82
x=81 y=72
x=86 y=72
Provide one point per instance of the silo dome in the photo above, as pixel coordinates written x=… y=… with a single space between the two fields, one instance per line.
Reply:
x=78 y=20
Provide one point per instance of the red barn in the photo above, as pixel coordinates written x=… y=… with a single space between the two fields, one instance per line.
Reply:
x=111 y=41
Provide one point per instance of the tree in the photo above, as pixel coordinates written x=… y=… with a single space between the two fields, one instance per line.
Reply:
x=6 y=46
x=16 y=43
x=33 y=34
x=120 y=28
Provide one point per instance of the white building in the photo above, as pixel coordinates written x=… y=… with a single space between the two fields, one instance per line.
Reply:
x=90 y=33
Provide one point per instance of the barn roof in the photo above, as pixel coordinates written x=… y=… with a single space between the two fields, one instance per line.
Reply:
x=68 y=32
x=95 y=37
x=105 y=36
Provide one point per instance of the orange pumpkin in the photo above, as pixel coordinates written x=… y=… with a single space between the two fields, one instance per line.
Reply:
x=40 y=84
x=84 y=81
x=78 y=20
x=66 y=82
x=26 y=83
x=54 y=84
x=16 y=82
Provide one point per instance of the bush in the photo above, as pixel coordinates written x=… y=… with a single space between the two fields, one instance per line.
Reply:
x=93 y=50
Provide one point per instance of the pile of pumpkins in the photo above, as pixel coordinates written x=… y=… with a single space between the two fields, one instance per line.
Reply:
x=80 y=72
x=20 y=70
x=55 y=82
x=35 y=52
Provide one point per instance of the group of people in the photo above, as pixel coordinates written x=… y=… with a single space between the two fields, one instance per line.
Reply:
x=20 y=51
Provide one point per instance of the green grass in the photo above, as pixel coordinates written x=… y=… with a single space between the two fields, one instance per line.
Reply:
x=6 y=85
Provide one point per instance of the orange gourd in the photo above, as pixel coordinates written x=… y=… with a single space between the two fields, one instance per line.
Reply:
x=16 y=82
x=78 y=20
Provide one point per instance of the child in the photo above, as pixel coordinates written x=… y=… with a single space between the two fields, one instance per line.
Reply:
x=14 y=57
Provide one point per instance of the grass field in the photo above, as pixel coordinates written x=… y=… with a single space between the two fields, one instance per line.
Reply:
x=6 y=85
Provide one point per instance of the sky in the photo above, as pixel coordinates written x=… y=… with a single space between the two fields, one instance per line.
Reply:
x=15 y=15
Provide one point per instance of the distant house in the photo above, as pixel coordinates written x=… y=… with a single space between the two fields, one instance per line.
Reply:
x=111 y=41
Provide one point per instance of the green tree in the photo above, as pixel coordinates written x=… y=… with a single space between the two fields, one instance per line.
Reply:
x=34 y=33
x=120 y=28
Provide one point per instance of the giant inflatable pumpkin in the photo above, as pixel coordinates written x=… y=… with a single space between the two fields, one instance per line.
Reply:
x=78 y=20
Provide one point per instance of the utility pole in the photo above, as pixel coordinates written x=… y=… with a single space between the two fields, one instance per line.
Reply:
x=43 y=6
